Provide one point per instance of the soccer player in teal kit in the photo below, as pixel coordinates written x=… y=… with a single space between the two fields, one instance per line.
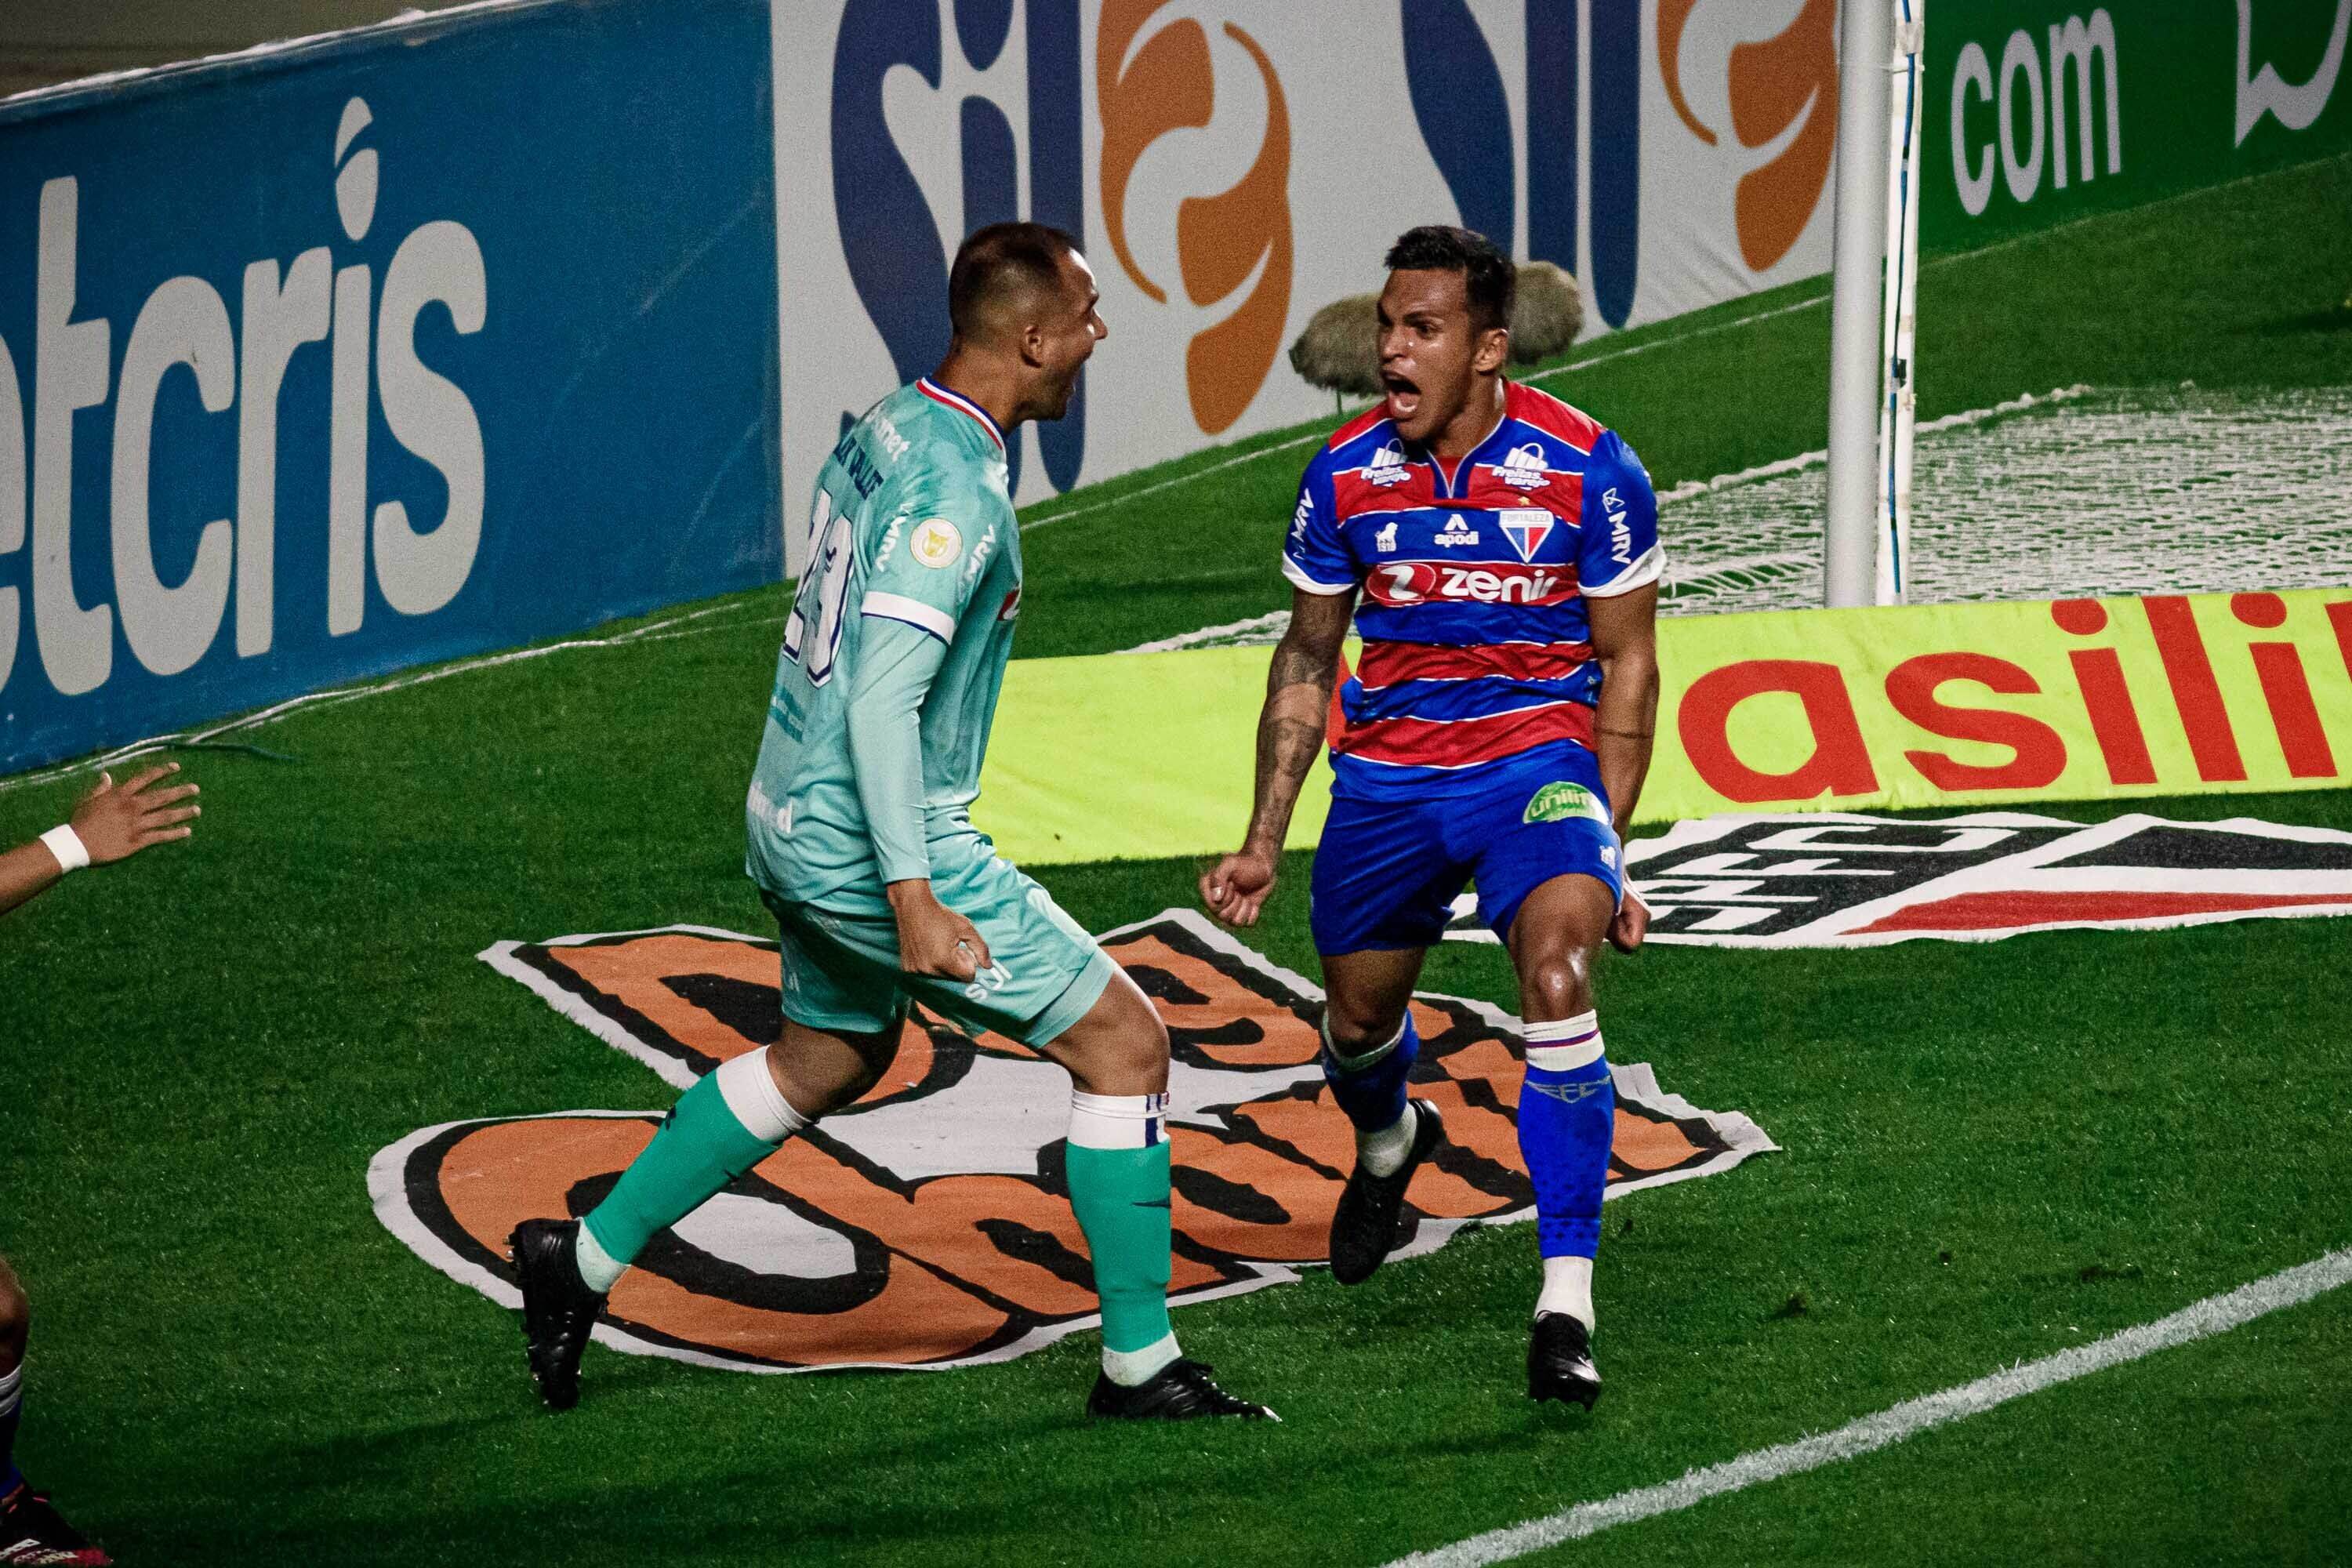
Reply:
x=862 y=845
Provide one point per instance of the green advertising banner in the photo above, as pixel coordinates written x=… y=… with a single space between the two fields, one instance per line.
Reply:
x=2039 y=111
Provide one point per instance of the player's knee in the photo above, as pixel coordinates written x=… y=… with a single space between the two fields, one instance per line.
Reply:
x=1120 y=1047
x=16 y=1319
x=1356 y=1026
x=1137 y=1038
x=1556 y=985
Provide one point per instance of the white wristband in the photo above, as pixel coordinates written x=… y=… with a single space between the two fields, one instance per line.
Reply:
x=64 y=843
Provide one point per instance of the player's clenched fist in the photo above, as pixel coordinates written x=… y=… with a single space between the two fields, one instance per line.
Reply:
x=1632 y=923
x=932 y=938
x=115 y=823
x=1237 y=887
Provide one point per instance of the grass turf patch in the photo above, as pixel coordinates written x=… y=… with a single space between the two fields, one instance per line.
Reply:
x=1992 y=1150
x=208 y=1043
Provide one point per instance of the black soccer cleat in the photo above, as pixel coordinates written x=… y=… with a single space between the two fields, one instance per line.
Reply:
x=1364 y=1225
x=1559 y=1360
x=558 y=1308
x=1179 y=1392
x=33 y=1532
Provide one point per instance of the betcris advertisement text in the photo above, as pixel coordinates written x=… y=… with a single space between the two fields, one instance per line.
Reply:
x=381 y=348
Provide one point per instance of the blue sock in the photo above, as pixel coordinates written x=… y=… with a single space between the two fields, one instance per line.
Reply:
x=12 y=1403
x=1370 y=1086
x=1568 y=1114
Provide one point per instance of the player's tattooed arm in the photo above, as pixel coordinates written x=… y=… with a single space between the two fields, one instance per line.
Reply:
x=1290 y=732
x=1625 y=641
x=1290 y=736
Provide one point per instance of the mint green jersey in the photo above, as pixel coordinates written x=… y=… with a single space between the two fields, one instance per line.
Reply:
x=905 y=612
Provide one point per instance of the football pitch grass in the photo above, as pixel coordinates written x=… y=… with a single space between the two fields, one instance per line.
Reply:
x=1992 y=1152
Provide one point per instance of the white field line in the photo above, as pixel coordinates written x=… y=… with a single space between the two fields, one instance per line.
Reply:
x=652 y=631
x=1273 y=621
x=1276 y=620
x=2214 y=1315
x=1319 y=436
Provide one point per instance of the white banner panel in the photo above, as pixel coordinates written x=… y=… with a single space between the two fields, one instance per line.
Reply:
x=1235 y=166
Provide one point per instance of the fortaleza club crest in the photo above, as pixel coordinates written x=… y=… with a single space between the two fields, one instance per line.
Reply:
x=929 y=1224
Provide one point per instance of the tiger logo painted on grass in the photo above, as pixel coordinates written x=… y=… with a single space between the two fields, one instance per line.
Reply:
x=929 y=1226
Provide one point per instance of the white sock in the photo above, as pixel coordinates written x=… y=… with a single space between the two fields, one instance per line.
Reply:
x=752 y=1094
x=1381 y=1150
x=1118 y=1121
x=1567 y=1288
x=12 y=1389
x=1128 y=1368
x=598 y=1267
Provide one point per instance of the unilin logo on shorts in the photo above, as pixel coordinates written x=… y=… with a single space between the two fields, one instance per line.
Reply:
x=1560 y=800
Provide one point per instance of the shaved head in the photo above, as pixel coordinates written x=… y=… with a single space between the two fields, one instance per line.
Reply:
x=1006 y=277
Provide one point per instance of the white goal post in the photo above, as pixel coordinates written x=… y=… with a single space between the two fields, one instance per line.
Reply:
x=1898 y=409
x=1874 y=285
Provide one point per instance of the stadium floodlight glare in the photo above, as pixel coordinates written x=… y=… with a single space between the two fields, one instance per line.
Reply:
x=1899 y=409
x=1850 y=534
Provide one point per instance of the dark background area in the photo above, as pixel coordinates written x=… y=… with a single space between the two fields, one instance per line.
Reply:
x=43 y=42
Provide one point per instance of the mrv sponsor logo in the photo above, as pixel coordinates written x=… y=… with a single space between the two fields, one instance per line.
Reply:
x=224 y=344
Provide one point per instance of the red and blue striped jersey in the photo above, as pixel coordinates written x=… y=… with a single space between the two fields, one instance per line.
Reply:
x=1472 y=584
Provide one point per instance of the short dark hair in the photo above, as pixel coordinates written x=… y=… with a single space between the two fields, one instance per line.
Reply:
x=998 y=259
x=1487 y=275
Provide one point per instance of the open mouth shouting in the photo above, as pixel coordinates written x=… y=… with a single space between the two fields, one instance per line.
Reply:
x=1403 y=397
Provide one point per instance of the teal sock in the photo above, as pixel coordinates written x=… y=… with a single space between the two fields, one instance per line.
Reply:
x=728 y=1123
x=1117 y=1165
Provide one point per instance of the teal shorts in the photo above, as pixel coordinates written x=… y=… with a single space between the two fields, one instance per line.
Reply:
x=840 y=969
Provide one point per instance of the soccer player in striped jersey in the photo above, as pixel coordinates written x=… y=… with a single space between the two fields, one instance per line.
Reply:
x=861 y=843
x=1499 y=551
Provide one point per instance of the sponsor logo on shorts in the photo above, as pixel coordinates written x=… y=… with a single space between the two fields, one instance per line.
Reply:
x=1562 y=801
x=927 y=1225
x=936 y=542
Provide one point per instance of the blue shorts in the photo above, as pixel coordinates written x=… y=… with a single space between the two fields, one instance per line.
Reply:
x=1387 y=872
